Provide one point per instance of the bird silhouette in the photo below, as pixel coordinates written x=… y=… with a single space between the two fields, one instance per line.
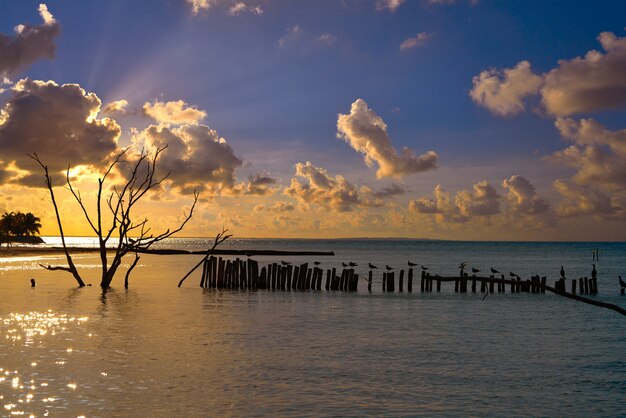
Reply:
x=424 y=268
x=594 y=273
x=512 y=274
x=621 y=282
x=494 y=271
x=352 y=264
x=562 y=272
x=285 y=263
x=463 y=265
x=388 y=268
x=344 y=264
x=317 y=263
x=475 y=270
x=370 y=265
x=412 y=264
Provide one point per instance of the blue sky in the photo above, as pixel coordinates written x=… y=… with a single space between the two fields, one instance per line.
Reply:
x=274 y=83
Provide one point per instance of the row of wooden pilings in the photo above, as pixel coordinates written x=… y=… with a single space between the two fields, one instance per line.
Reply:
x=586 y=286
x=218 y=273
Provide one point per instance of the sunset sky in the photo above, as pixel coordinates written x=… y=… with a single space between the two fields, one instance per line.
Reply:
x=333 y=118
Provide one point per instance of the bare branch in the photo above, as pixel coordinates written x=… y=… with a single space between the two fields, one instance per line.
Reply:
x=219 y=238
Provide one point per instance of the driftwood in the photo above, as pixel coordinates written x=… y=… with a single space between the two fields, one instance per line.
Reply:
x=550 y=289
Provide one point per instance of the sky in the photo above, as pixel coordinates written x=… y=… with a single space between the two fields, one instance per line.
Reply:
x=443 y=119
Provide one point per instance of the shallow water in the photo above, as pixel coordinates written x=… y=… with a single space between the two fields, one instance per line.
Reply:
x=162 y=351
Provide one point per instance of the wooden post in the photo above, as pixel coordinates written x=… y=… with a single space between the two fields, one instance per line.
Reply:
x=491 y=283
x=369 y=281
x=410 y=284
x=438 y=285
x=473 y=283
x=263 y=278
x=307 y=284
x=302 y=276
x=391 y=286
x=333 y=285
x=355 y=283
x=464 y=283
x=327 y=280
x=574 y=286
x=423 y=281
x=401 y=281
x=586 y=285
x=318 y=283
x=384 y=282
x=543 y=284
x=220 y=273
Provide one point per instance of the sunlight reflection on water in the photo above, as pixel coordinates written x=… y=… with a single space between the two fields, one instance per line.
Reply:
x=24 y=389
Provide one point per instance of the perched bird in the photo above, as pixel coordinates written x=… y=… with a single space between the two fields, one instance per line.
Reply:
x=412 y=264
x=594 y=273
x=463 y=265
x=344 y=264
x=513 y=274
x=352 y=264
x=317 y=263
x=285 y=263
x=621 y=282
x=494 y=271
x=475 y=270
x=562 y=272
x=388 y=268
x=424 y=268
x=370 y=265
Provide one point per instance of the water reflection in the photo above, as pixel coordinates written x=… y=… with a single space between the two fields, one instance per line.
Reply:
x=24 y=388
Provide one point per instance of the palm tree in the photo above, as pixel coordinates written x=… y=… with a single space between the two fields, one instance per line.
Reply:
x=32 y=224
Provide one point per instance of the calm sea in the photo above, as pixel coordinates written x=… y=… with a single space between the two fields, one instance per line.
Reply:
x=159 y=350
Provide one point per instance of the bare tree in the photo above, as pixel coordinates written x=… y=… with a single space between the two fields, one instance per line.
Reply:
x=127 y=235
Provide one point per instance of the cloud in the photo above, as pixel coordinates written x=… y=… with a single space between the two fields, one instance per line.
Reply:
x=320 y=188
x=174 y=112
x=503 y=91
x=115 y=107
x=482 y=201
x=58 y=122
x=391 y=190
x=595 y=82
x=586 y=84
x=290 y=37
x=198 y=6
x=391 y=5
x=416 y=41
x=241 y=7
x=327 y=38
x=281 y=206
x=586 y=201
x=366 y=132
x=29 y=44
x=523 y=198
x=259 y=184
x=597 y=154
x=198 y=158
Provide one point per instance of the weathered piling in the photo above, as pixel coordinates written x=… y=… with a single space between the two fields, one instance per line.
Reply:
x=574 y=287
x=369 y=281
x=586 y=285
x=423 y=282
x=391 y=285
x=473 y=283
x=401 y=281
x=385 y=282
x=410 y=281
x=438 y=285
x=492 y=283
x=463 y=284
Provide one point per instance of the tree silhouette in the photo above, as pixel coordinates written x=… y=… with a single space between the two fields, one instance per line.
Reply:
x=19 y=224
x=114 y=220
